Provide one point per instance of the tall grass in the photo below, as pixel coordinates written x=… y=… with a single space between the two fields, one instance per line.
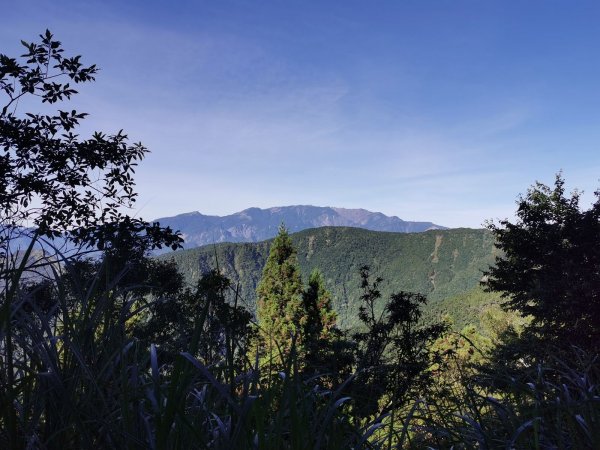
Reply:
x=550 y=405
x=73 y=377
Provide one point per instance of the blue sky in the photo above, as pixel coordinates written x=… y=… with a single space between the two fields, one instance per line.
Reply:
x=429 y=110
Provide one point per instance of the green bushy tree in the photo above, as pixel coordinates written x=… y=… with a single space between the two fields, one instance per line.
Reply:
x=327 y=349
x=280 y=310
x=321 y=318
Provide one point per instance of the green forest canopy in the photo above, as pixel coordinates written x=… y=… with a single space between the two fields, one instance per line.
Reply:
x=444 y=265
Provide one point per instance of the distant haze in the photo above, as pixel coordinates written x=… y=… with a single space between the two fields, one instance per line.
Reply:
x=255 y=224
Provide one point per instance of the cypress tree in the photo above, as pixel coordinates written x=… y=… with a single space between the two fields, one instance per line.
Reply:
x=321 y=319
x=320 y=332
x=280 y=310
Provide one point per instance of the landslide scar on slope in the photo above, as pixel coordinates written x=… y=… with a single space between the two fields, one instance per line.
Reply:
x=438 y=242
x=432 y=278
x=311 y=246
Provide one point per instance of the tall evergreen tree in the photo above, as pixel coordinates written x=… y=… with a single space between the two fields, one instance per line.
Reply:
x=327 y=351
x=321 y=318
x=280 y=310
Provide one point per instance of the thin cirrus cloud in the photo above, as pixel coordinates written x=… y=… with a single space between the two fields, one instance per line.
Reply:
x=442 y=115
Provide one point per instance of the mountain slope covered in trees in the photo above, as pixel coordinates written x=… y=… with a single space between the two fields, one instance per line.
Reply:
x=444 y=265
x=255 y=224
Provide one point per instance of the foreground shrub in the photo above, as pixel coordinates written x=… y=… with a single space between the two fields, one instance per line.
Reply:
x=72 y=376
x=552 y=405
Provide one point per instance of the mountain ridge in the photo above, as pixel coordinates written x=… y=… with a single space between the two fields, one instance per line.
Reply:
x=256 y=224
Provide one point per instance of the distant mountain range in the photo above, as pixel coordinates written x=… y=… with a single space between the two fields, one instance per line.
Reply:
x=255 y=224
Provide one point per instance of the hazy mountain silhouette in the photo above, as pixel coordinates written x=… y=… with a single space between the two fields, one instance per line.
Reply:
x=255 y=224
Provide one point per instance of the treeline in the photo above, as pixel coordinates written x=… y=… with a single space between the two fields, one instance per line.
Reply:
x=115 y=351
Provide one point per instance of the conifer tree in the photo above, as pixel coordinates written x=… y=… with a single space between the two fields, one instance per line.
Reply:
x=320 y=332
x=280 y=310
x=321 y=319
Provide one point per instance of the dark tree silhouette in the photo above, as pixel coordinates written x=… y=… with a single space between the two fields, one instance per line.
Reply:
x=550 y=266
x=50 y=178
x=226 y=327
x=393 y=352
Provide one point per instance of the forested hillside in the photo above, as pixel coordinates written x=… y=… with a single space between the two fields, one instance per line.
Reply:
x=442 y=264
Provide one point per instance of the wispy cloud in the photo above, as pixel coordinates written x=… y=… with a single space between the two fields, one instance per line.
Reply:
x=266 y=105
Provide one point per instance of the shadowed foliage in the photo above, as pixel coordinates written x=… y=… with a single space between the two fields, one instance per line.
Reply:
x=550 y=267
